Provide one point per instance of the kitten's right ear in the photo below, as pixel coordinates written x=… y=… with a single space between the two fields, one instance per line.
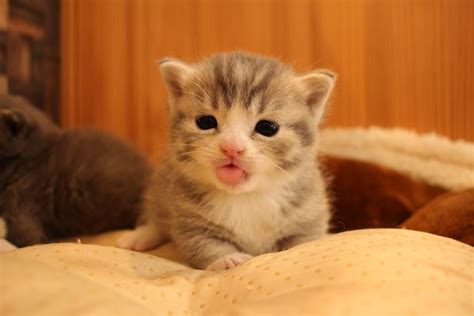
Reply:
x=174 y=73
x=15 y=123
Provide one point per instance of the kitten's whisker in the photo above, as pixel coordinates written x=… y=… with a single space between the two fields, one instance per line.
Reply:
x=186 y=93
x=274 y=164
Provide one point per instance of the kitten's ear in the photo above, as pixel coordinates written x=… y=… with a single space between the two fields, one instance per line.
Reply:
x=318 y=86
x=174 y=73
x=15 y=123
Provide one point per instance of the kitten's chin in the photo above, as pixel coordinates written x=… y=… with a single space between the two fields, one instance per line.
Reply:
x=243 y=187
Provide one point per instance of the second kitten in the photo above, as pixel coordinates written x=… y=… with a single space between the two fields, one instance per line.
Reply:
x=58 y=183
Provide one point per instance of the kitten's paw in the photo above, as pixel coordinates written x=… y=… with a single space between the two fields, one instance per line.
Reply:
x=228 y=261
x=3 y=228
x=5 y=246
x=140 y=239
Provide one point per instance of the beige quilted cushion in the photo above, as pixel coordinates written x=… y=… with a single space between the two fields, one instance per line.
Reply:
x=366 y=272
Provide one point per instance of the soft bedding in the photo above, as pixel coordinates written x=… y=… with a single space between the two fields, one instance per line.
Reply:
x=362 y=272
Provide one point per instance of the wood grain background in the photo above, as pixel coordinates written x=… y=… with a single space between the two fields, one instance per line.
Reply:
x=400 y=63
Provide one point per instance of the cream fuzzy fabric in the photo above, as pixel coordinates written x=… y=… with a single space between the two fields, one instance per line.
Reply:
x=428 y=157
x=366 y=272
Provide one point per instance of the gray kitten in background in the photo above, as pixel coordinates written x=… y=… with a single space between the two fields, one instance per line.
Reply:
x=57 y=183
x=240 y=177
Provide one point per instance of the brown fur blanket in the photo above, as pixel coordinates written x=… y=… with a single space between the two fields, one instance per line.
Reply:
x=385 y=178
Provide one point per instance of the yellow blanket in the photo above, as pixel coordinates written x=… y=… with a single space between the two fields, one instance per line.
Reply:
x=365 y=272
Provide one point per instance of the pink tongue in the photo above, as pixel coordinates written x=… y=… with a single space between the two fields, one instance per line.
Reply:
x=230 y=174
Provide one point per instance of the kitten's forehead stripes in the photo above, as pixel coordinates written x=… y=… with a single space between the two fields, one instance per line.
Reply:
x=241 y=79
x=260 y=88
x=224 y=82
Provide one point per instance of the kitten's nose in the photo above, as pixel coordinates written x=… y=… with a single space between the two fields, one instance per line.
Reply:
x=232 y=149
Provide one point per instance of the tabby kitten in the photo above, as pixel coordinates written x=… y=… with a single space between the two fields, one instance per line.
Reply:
x=240 y=177
x=56 y=183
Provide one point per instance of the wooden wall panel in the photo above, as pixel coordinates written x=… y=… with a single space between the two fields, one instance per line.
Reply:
x=29 y=52
x=400 y=63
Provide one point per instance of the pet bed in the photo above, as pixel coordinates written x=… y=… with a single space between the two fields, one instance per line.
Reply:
x=381 y=178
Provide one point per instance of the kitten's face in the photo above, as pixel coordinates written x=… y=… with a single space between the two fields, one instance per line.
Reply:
x=20 y=126
x=243 y=122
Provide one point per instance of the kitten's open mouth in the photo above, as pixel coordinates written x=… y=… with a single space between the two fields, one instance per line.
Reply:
x=231 y=174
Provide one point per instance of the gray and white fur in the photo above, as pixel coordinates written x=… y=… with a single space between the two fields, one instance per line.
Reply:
x=281 y=200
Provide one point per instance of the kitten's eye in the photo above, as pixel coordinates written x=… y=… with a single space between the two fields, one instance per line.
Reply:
x=206 y=122
x=267 y=128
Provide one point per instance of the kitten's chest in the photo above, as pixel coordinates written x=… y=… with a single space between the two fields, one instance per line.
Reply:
x=256 y=220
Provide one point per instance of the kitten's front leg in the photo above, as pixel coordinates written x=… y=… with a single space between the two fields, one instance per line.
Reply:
x=144 y=237
x=151 y=230
x=208 y=248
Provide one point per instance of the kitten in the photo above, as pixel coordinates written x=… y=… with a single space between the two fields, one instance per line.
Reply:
x=57 y=183
x=240 y=177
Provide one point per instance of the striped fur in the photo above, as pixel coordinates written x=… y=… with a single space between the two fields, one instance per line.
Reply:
x=284 y=200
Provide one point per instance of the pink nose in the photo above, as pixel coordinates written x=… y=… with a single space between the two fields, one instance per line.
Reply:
x=232 y=150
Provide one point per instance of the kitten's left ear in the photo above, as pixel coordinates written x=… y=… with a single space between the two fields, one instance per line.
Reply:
x=174 y=73
x=317 y=87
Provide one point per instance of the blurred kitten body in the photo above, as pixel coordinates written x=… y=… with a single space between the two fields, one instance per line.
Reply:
x=240 y=176
x=57 y=183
